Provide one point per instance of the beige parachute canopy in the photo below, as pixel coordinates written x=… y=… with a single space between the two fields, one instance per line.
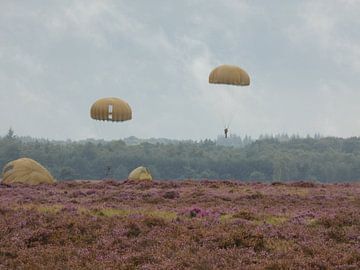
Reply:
x=111 y=109
x=26 y=171
x=140 y=173
x=227 y=74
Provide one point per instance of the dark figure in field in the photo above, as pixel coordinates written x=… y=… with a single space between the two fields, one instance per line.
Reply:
x=108 y=169
x=226 y=130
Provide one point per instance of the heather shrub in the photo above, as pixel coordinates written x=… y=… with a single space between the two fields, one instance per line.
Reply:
x=203 y=264
x=308 y=250
x=275 y=220
x=256 y=196
x=7 y=254
x=337 y=233
x=152 y=198
x=4 y=210
x=168 y=184
x=67 y=208
x=133 y=230
x=109 y=212
x=244 y=215
x=77 y=193
x=276 y=183
x=172 y=194
x=213 y=185
x=90 y=192
x=242 y=237
x=339 y=220
x=353 y=258
x=141 y=259
x=154 y=221
x=114 y=225
x=39 y=237
x=303 y=184
x=279 y=265
x=141 y=185
x=197 y=212
x=318 y=265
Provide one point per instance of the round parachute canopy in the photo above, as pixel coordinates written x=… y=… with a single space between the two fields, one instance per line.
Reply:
x=227 y=74
x=111 y=109
x=140 y=173
x=26 y=171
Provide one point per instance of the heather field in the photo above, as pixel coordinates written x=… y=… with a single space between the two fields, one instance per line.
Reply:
x=180 y=225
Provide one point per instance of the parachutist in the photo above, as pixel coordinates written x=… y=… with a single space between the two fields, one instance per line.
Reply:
x=108 y=169
x=232 y=75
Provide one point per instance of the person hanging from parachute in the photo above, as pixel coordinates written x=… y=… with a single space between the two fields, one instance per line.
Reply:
x=108 y=172
x=229 y=74
x=226 y=130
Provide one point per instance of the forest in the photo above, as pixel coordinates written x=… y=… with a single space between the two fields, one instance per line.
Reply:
x=268 y=158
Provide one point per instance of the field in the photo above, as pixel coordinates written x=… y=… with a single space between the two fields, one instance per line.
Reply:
x=180 y=225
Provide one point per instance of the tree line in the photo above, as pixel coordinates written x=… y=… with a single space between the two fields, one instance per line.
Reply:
x=279 y=158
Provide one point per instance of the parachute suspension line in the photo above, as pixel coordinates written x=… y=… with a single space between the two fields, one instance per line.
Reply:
x=230 y=120
x=225 y=112
x=111 y=109
x=100 y=129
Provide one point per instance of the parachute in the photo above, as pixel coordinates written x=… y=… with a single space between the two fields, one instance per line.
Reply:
x=227 y=74
x=111 y=109
x=26 y=171
x=140 y=173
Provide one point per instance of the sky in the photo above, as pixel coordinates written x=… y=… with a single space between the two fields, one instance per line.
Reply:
x=58 y=57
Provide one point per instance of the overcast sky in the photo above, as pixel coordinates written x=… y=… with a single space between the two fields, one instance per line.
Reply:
x=58 y=57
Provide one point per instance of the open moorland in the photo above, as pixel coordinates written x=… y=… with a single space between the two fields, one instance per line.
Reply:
x=180 y=225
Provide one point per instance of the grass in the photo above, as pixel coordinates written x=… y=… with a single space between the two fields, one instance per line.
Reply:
x=113 y=212
x=275 y=220
x=41 y=208
x=226 y=218
x=281 y=245
x=258 y=220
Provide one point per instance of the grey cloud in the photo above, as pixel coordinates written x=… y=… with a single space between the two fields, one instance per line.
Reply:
x=57 y=57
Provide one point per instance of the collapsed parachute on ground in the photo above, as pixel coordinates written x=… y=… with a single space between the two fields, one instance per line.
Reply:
x=140 y=173
x=111 y=109
x=228 y=74
x=26 y=171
